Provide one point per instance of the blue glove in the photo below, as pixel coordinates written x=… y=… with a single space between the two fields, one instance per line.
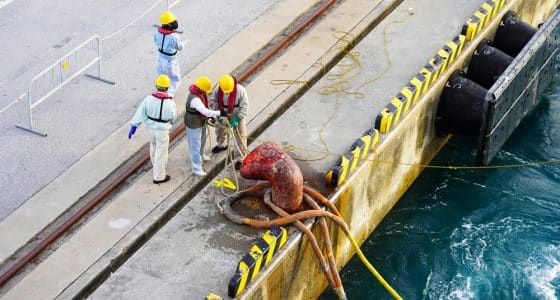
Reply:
x=131 y=131
x=234 y=122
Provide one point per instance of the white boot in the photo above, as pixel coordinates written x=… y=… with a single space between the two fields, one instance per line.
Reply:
x=199 y=173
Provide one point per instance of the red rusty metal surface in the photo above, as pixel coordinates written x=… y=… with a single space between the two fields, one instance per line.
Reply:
x=268 y=162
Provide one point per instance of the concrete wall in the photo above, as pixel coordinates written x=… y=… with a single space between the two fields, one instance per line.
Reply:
x=534 y=12
x=376 y=186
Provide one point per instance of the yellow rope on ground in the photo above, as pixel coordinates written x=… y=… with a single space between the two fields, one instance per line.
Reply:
x=342 y=85
x=342 y=79
x=228 y=162
x=386 y=51
x=282 y=82
x=325 y=153
x=348 y=70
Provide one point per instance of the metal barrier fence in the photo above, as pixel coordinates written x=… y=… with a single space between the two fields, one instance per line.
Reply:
x=54 y=77
x=62 y=64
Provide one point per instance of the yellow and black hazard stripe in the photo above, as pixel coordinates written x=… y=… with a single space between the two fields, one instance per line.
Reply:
x=471 y=28
x=242 y=276
x=348 y=162
x=502 y=3
x=259 y=256
x=448 y=53
x=444 y=56
x=333 y=176
x=267 y=246
x=367 y=141
x=384 y=120
x=276 y=237
x=406 y=100
x=453 y=53
x=396 y=106
x=436 y=62
x=374 y=133
x=417 y=84
x=454 y=48
x=428 y=71
x=482 y=15
x=420 y=82
x=460 y=42
x=337 y=175
x=389 y=116
x=363 y=143
x=490 y=7
x=481 y=18
x=356 y=156
x=411 y=92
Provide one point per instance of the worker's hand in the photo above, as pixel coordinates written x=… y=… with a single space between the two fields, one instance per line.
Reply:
x=131 y=131
x=234 y=122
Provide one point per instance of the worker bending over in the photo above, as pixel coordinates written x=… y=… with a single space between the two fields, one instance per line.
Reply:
x=195 y=117
x=231 y=97
x=168 y=44
x=157 y=111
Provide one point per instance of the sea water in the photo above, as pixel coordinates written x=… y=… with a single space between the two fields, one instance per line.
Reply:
x=475 y=234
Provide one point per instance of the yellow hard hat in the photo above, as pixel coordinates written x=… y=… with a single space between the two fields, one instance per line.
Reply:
x=163 y=81
x=204 y=84
x=167 y=17
x=227 y=83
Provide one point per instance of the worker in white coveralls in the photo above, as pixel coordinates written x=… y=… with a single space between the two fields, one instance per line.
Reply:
x=157 y=111
x=231 y=97
x=195 y=117
x=168 y=44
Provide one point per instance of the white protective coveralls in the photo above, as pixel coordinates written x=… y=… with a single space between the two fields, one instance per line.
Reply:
x=153 y=108
x=168 y=44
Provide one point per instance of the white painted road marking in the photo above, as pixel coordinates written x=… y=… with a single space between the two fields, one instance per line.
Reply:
x=120 y=223
x=5 y=2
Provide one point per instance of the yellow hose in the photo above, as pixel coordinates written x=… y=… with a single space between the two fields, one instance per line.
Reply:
x=338 y=220
x=373 y=271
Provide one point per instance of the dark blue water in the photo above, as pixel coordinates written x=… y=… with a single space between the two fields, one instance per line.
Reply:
x=475 y=234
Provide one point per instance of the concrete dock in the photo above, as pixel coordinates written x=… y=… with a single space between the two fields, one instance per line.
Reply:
x=197 y=250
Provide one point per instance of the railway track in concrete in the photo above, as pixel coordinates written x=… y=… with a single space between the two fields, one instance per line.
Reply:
x=47 y=241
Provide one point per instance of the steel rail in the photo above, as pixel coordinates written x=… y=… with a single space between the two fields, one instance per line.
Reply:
x=22 y=262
